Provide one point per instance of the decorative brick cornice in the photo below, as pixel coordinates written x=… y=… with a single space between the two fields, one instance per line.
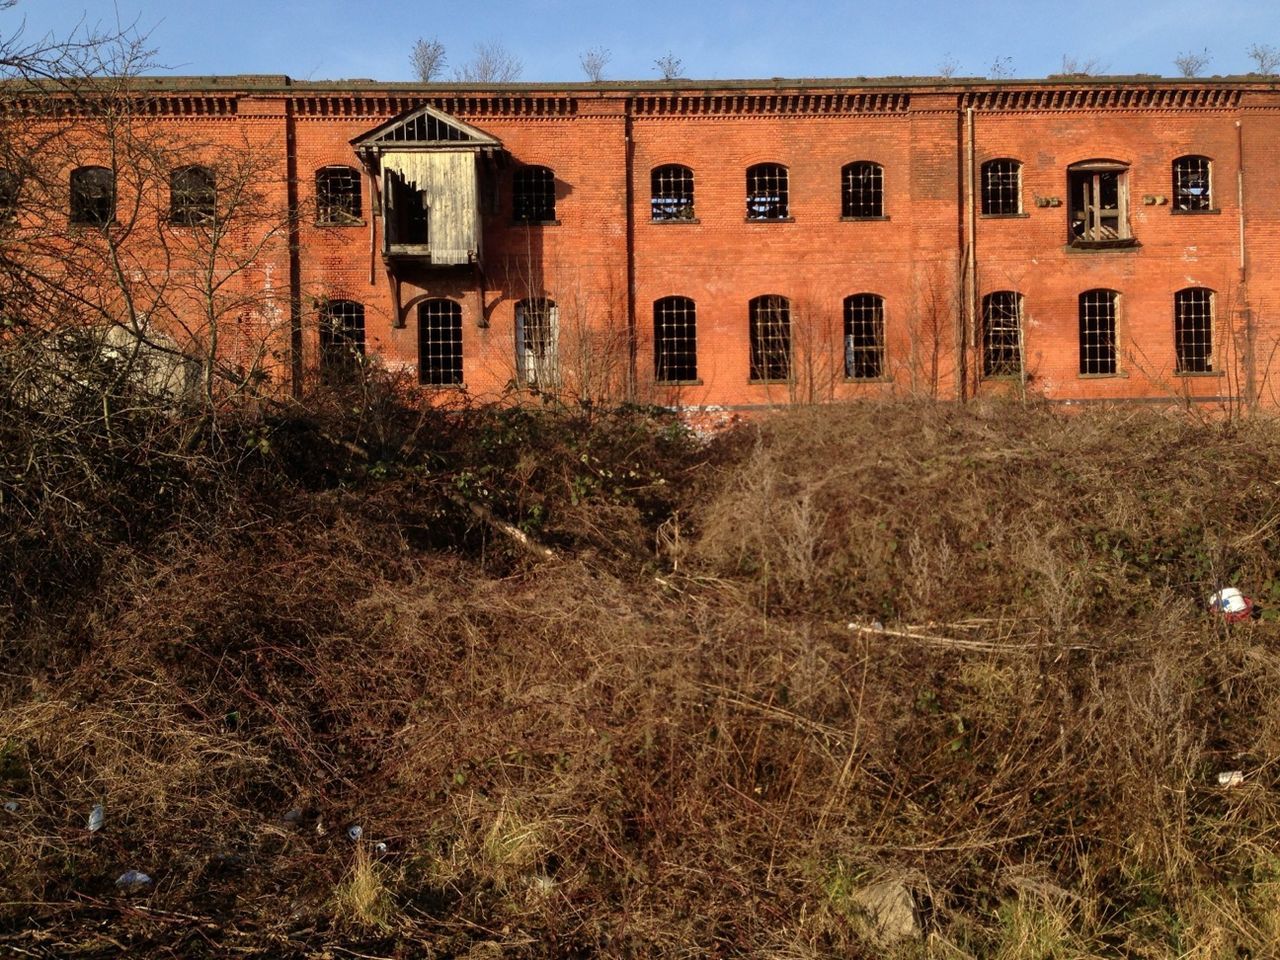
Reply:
x=772 y=104
x=1103 y=98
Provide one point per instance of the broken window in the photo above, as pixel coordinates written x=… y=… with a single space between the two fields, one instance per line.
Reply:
x=767 y=192
x=341 y=337
x=770 y=332
x=537 y=340
x=93 y=196
x=1099 y=203
x=864 y=336
x=534 y=195
x=1098 y=331
x=1001 y=188
x=338 y=201
x=672 y=197
x=8 y=196
x=192 y=196
x=675 y=340
x=1192 y=184
x=440 y=342
x=406 y=215
x=1002 y=334
x=862 y=190
x=1193 y=329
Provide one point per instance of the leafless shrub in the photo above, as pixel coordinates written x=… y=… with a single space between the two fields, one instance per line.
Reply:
x=593 y=63
x=669 y=66
x=1001 y=68
x=1082 y=67
x=948 y=66
x=491 y=63
x=1265 y=57
x=1191 y=64
x=427 y=59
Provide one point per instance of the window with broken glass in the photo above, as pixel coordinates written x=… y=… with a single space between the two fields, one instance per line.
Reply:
x=1193 y=330
x=192 y=196
x=534 y=195
x=338 y=200
x=1001 y=188
x=862 y=191
x=770 y=332
x=537 y=340
x=1002 y=334
x=1098 y=332
x=864 y=336
x=440 y=342
x=672 y=193
x=341 y=337
x=767 y=192
x=1098 y=208
x=1192 y=184
x=675 y=340
x=93 y=196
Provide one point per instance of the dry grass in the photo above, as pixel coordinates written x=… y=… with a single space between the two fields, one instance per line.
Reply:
x=1025 y=721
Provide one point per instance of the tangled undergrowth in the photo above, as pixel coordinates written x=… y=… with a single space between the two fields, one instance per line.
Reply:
x=725 y=688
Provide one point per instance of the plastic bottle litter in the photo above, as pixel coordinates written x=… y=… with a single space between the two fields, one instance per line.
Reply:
x=1232 y=604
x=132 y=881
x=1230 y=778
x=11 y=806
x=355 y=832
x=381 y=848
x=96 y=816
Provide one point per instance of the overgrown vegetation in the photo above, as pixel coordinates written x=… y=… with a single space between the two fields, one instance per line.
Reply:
x=963 y=649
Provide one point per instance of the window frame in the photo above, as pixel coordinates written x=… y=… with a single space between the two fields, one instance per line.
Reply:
x=853 y=208
x=533 y=191
x=667 y=204
x=1091 y=175
x=768 y=364
x=193 y=205
x=1086 y=344
x=339 y=208
x=535 y=372
x=1182 y=337
x=342 y=338
x=10 y=195
x=995 y=189
x=450 y=370
x=79 y=214
x=766 y=205
x=1178 y=200
x=680 y=313
x=868 y=357
x=1004 y=358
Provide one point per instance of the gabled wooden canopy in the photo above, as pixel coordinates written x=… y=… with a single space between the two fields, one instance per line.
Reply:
x=425 y=129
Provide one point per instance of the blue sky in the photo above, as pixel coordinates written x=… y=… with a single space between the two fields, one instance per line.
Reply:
x=333 y=39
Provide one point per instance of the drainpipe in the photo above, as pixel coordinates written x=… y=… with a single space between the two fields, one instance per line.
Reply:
x=631 y=252
x=1250 y=334
x=970 y=308
x=295 y=243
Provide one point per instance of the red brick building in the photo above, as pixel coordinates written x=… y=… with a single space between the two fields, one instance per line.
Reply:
x=752 y=243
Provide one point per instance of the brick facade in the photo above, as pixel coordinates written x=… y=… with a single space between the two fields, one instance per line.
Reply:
x=931 y=255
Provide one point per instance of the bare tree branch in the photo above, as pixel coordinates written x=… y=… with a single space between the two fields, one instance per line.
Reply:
x=1190 y=64
x=669 y=66
x=427 y=59
x=492 y=63
x=593 y=63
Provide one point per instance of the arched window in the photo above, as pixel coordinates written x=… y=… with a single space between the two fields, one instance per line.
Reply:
x=769 y=328
x=341 y=336
x=192 y=196
x=767 y=192
x=864 y=336
x=675 y=340
x=862 y=190
x=537 y=343
x=1098 y=309
x=93 y=196
x=1192 y=184
x=1098 y=203
x=1001 y=188
x=439 y=342
x=672 y=192
x=338 y=201
x=1193 y=329
x=534 y=195
x=1002 y=334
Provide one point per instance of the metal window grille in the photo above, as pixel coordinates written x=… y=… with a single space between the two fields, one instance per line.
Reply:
x=341 y=336
x=767 y=192
x=1001 y=187
x=675 y=340
x=439 y=342
x=93 y=196
x=1098 y=331
x=672 y=197
x=1001 y=334
x=1191 y=184
x=1193 y=330
x=863 y=190
x=534 y=195
x=864 y=336
x=337 y=196
x=770 y=331
x=192 y=196
x=537 y=337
